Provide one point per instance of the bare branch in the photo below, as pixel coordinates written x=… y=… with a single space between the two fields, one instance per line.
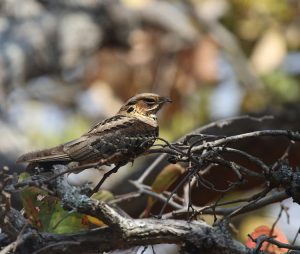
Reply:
x=219 y=124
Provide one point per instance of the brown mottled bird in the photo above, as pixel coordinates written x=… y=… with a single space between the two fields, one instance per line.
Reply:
x=116 y=140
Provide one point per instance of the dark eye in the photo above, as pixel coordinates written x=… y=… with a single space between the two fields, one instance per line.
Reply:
x=130 y=109
x=149 y=100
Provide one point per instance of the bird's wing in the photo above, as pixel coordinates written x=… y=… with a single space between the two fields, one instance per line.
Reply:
x=51 y=154
x=116 y=121
x=72 y=150
x=112 y=136
x=118 y=133
x=100 y=141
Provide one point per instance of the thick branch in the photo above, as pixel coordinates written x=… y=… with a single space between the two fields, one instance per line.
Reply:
x=125 y=232
x=132 y=232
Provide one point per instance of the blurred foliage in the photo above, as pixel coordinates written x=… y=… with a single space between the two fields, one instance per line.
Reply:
x=77 y=124
x=282 y=87
x=191 y=72
x=256 y=16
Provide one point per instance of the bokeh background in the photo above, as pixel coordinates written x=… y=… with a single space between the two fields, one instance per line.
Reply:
x=66 y=64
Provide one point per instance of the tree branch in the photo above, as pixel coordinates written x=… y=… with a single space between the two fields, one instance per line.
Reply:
x=131 y=232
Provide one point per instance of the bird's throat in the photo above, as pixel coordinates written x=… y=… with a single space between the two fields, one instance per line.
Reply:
x=150 y=119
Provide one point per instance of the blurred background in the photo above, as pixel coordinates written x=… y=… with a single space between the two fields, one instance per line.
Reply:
x=67 y=64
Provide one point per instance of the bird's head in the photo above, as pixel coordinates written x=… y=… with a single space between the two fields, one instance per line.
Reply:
x=147 y=104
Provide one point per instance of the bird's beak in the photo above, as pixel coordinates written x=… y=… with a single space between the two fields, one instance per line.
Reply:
x=163 y=100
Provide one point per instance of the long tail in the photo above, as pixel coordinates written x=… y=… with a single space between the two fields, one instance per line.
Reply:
x=52 y=154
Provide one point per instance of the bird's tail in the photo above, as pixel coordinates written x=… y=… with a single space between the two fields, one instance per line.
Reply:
x=51 y=154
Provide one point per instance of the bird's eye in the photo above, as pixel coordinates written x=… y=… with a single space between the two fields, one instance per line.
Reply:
x=130 y=109
x=150 y=101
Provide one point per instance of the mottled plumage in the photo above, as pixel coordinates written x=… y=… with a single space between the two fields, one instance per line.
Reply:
x=117 y=140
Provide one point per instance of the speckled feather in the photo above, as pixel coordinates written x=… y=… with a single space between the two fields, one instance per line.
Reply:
x=119 y=133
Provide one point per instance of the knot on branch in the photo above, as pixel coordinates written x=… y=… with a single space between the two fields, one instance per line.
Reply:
x=217 y=240
x=293 y=135
x=198 y=243
x=73 y=199
x=222 y=229
x=288 y=178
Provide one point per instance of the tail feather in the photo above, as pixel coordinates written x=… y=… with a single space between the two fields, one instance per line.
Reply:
x=52 y=154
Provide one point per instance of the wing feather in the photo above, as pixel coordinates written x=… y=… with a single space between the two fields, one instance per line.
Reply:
x=117 y=133
x=51 y=154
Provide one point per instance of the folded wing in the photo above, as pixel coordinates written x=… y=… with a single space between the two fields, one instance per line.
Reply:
x=119 y=134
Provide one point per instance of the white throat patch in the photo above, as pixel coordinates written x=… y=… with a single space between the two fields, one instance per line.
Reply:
x=151 y=119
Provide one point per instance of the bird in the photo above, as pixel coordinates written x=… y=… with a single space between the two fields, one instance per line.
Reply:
x=113 y=141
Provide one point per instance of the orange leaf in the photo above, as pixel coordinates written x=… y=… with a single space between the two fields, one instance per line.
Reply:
x=267 y=247
x=93 y=220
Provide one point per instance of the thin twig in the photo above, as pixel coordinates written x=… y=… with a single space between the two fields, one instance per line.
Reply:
x=218 y=124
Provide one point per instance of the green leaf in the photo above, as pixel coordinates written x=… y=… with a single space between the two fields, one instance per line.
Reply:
x=103 y=195
x=63 y=222
x=46 y=214
x=23 y=176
